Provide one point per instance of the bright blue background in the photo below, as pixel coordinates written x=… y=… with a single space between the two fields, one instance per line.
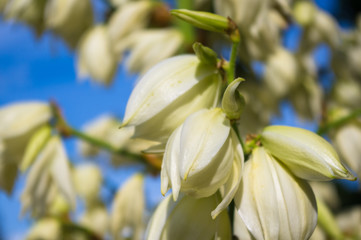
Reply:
x=44 y=69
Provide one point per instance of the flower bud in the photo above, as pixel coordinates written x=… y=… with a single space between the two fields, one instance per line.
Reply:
x=200 y=156
x=281 y=72
x=96 y=219
x=347 y=141
x=305 y=153
x=304 y=13
x=69 y=18
x=96 y=56
x=128 y=208
x=188 y=218
x=168 y=93
x=273 y=203
x=233 y=102
x=131 y=17
x=204 y=20
x=205 y=54
x=87 y=182
x=30 y=12
x=148 y=47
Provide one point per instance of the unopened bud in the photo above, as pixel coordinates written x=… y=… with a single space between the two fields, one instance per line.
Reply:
x=205 y=54
x=233 y=102
x=204 y=20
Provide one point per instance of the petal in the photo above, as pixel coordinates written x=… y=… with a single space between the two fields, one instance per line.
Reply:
x=234 y=179
x=306 y=154
x=272 y=202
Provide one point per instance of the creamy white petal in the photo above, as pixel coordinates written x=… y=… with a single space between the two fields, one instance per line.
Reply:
x=232 y=184
x=21 y=117
x=188 y=218
x=273 y=203
x=168 y=93
x=306 y=154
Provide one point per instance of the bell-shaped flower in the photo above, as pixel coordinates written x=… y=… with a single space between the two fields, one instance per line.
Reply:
x=30 y=12
x=272 y=202
x=48 y=177
x=201 y=156
x=18 y=123
x=69 y=18
x=129 y=18
x=347 y=141
x=96 y=219
x=148 y=47
x=96 y=56
x=305 y=153
x=188 y=218
x=87 y=182
x=281 y=72
x=168 y=93
x=128 y=209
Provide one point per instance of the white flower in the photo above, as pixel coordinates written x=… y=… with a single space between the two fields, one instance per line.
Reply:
x=168 y=93
x=69 y=18
x=148 y=47
x=87 y=182
x=201 y=156
x=350 y=221
x=305 y=153
x=128 y=18
x=18 y=122
x=188 y=218
x=273 y=203
x=48 y=177
x=28 y=11
x=96 y=219
x=281 y=72
x=128 y=208
x=96 y=56
x=347 y=140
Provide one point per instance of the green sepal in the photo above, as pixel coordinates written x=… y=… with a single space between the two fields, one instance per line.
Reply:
x=233 y=102
x=205 y=54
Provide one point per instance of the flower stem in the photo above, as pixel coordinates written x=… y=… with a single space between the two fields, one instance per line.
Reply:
x=232 y=62
x=327 y=221
x=339 y=122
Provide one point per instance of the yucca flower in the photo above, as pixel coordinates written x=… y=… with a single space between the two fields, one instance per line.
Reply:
x=201 y=156
x=168 y=93
x=272 y=202
x=128 y=209
x=18 y=123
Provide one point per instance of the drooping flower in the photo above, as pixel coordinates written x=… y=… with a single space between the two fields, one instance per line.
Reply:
x=272 y=202
x=201 y=156
x=96 y=56
x=48 y=177
x=69 y=18
x=188 y=218
x=306 y=154
x=168 y=93
x=128 y=209
x=18 y=123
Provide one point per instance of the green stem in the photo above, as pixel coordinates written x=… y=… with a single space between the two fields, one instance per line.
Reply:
x=327 y=221
x=235 y=128
x=72 y=228
x=339 y=122
x=232 y=62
